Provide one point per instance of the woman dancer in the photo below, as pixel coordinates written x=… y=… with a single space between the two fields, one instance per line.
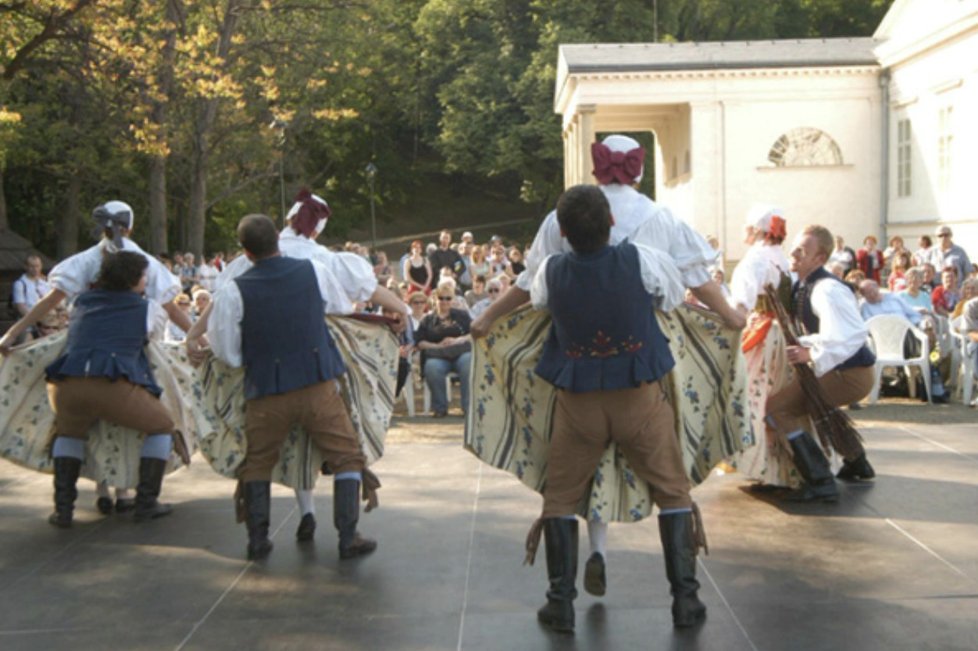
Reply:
x=762 y=341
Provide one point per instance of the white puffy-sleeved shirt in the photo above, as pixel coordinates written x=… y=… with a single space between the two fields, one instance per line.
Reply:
x=227 y=311
x=640 y=220
x=77 y=273
x=354 y=274
x=761 y=265
x=660 y=277
x=841 y=329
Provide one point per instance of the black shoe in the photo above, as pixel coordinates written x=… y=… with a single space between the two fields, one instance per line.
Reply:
x=104 y=505
x=258 y=505
x=307 y=528
x=124 y=505
x=360 y=546
x=679 y=551
x=66 y=471
x=560 y=538
x=147 y=506
x=827 y=493
x=346 y=514
x=856 y=469
x=594 y=575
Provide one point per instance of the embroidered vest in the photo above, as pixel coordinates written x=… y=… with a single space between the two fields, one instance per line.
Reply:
x=802 y=308
x=106 y=338
x=284 y=340
x=604 y=334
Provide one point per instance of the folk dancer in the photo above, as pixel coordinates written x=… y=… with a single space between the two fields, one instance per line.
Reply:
x=305 y=221
x=834 y=342
x=618 y=166
x=270 y=320
x=104 y=374
x=606 y=361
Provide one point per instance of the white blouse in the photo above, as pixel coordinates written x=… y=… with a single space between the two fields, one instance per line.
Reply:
x=227 y=312
x=762 y=264
x=641 y=221
x=354 y=274
x=660 y=277
x=77 y=273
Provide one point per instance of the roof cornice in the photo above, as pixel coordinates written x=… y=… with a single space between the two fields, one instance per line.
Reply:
x=893 y=52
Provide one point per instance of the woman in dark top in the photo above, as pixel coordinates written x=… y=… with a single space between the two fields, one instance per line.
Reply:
x=445 y=344
x=417 y=270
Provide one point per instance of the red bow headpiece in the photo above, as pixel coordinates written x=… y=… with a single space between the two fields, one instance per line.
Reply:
x=307 y=212
x=615 y=166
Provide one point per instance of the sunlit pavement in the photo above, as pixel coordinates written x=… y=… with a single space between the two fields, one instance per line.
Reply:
x=893 y=565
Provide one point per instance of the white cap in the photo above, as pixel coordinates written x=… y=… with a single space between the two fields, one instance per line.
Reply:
x=760 y=214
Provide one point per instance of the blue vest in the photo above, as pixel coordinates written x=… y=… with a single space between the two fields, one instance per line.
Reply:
x=802 y=304
x=284 y=340
x=604 y=334
x=106 y=338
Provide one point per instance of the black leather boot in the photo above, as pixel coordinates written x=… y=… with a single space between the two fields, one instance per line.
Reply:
x=814 y=469
x=856 y=469
x=679 y=550
x=148 y=506
x=258 y=512
x=346 y=514
x=560 y=538
x=307 y=528
x=66 y=471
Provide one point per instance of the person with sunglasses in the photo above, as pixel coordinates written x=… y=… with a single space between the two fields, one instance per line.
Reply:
x=445 y=344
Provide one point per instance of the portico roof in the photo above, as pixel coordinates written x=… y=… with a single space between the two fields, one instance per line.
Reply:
x=636 y=57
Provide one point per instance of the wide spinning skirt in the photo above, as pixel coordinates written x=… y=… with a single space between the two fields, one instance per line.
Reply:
x=509 y=422
x=111 y=451
x=371 y=353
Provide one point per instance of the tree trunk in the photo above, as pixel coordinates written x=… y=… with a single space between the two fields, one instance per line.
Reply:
x=4 y=223
x=67 y=221
x=206 y=116
x=157 y=204
x=157 y=164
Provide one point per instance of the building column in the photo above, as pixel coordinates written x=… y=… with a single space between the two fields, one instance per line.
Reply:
x=707 y=151
x=585 y=166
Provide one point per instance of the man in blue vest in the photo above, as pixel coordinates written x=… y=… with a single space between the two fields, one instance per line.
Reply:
x=104 y=374
x=834 y=342
x=270 y=320
x=606 y=355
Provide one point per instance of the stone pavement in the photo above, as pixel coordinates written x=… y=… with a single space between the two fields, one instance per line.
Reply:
x=893 y=566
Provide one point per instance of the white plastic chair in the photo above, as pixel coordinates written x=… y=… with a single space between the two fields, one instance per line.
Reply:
x=407 y=393
x=888 y=333
x=448 y=390
x=965 y=375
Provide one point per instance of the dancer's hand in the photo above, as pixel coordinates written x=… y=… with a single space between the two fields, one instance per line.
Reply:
x=197 y=349
x=798 y=354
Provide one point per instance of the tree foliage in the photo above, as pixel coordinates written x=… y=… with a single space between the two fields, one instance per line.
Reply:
x=198 y=112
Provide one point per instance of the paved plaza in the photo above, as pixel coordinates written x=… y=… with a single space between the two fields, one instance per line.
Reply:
x=894 y=565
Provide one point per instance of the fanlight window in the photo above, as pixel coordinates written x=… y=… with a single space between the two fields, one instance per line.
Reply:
x=805 y=146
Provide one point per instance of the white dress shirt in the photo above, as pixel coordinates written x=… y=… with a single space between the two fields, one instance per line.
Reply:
x=841 y=330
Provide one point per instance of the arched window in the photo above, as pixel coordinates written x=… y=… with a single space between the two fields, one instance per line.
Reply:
x=805 y=146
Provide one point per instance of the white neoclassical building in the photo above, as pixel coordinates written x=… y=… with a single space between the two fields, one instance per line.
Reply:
x=864 y=135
